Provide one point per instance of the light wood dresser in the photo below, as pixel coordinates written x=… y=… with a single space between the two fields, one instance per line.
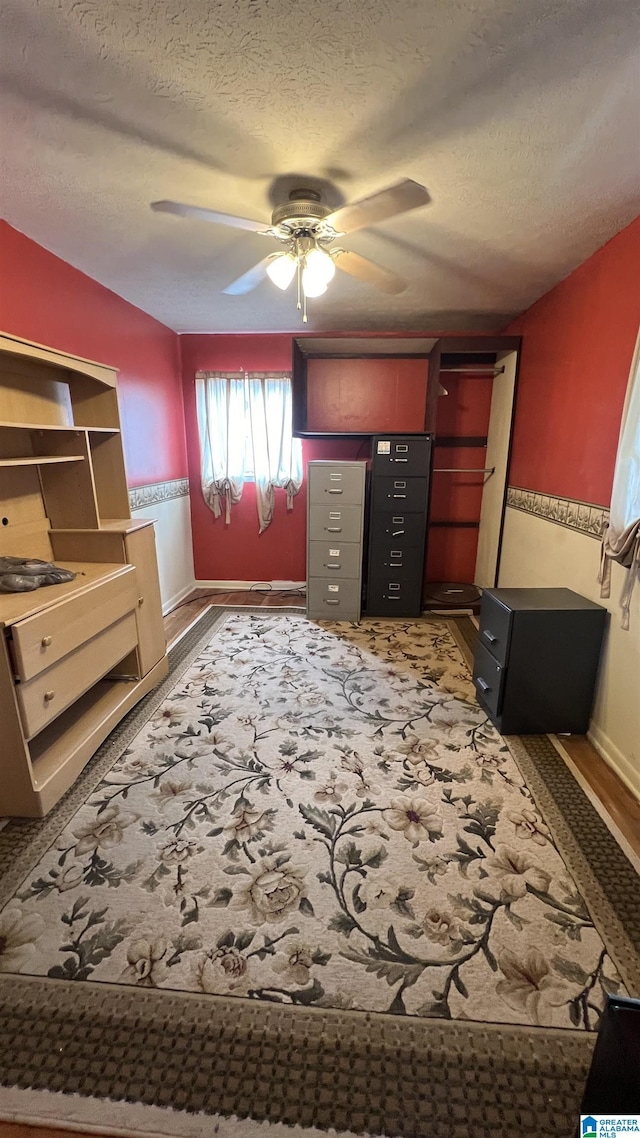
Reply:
x=74 y=657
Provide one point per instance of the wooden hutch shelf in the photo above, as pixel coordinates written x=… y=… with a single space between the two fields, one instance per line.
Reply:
x=74 y=657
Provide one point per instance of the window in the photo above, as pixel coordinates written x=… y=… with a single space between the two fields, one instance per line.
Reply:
x=245 y=430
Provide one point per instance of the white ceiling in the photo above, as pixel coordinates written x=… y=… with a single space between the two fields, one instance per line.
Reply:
x=520 y=116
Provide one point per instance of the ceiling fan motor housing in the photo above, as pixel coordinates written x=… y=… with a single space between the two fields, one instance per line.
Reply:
x=302 y=211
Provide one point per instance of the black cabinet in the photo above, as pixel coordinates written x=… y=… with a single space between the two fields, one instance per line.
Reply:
x=398 y=511
x=536 y=659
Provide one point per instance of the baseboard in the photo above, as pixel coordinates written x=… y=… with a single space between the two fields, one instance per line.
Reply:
x=177 y=597
x=240 y=586
x=615 y=759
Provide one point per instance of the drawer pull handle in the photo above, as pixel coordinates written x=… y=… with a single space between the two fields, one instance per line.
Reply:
x=399 y=459
x=398 y=495
x=48 y=696
x=489 y=636
x=335 y=565
x=335 y=491
x=46 y=641
x=328 y=602
x=395 y=565
x=333 y=529
x=483 y=685
x=140 y=600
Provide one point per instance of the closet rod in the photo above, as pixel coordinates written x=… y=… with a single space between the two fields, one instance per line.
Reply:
x=464 y=470
x=472 y=370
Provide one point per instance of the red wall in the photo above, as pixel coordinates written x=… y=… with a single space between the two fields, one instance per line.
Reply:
x=44 y=299
x=578 y=342
x=237 y=552
x=375 y=395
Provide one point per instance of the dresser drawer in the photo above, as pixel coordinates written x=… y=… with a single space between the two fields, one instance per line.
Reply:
x=43 y=639
x=394 y=596
x=333 y=522
x=403 y=494
x=340 y=483
x=400 y=528
x=488 y=676
x=402 y=455
x=395 y=559
x=333 y=600
x=495 y=627
x=43 y=698
x=334 y=559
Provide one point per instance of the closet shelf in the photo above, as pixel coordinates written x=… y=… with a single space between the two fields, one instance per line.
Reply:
x=60 y=427
x=41 y=460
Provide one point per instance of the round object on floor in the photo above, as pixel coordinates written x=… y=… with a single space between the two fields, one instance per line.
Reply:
x=452 y=594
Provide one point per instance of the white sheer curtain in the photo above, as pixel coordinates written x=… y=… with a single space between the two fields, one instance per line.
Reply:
x=277 y=456
x=220 y=403
x=245 y=428
x=621 y=539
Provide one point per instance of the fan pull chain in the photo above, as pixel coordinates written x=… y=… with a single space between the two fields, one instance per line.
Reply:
x=298 y=271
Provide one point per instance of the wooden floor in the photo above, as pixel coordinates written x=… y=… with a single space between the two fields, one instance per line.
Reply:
x=181 y=617
x=618 y=801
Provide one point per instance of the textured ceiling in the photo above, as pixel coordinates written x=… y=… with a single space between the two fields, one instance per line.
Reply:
x=520 y=117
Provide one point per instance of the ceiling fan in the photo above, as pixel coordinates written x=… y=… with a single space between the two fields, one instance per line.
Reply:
x=307 y=228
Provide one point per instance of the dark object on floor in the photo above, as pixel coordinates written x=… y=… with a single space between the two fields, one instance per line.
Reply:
x=536 y=659
x=24 y=574
x=613 y=1083
x=451 y=595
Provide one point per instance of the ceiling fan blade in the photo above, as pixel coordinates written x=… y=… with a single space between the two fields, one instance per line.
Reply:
x=365 y=270
x=248 y=281
x=180 y=209
x=369 y=211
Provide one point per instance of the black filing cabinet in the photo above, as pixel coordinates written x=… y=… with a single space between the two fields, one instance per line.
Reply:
x=536 y=659
x=398 y=509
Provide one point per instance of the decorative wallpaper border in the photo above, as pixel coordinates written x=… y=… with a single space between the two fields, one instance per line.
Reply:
x=142 y=496
x=581 y=516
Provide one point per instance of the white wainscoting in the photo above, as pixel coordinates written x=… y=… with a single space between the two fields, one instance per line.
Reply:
x=537 y=553
x=174 y=544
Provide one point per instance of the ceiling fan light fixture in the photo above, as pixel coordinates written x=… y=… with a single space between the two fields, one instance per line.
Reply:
x=305 y=225
x=312 y=284
x=320 y=265
x=317 y=270
x=281 y=270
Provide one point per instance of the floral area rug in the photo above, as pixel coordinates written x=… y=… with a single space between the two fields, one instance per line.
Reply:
x=319 y=815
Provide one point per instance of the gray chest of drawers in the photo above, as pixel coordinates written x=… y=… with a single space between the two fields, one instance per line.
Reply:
x=335 y=520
